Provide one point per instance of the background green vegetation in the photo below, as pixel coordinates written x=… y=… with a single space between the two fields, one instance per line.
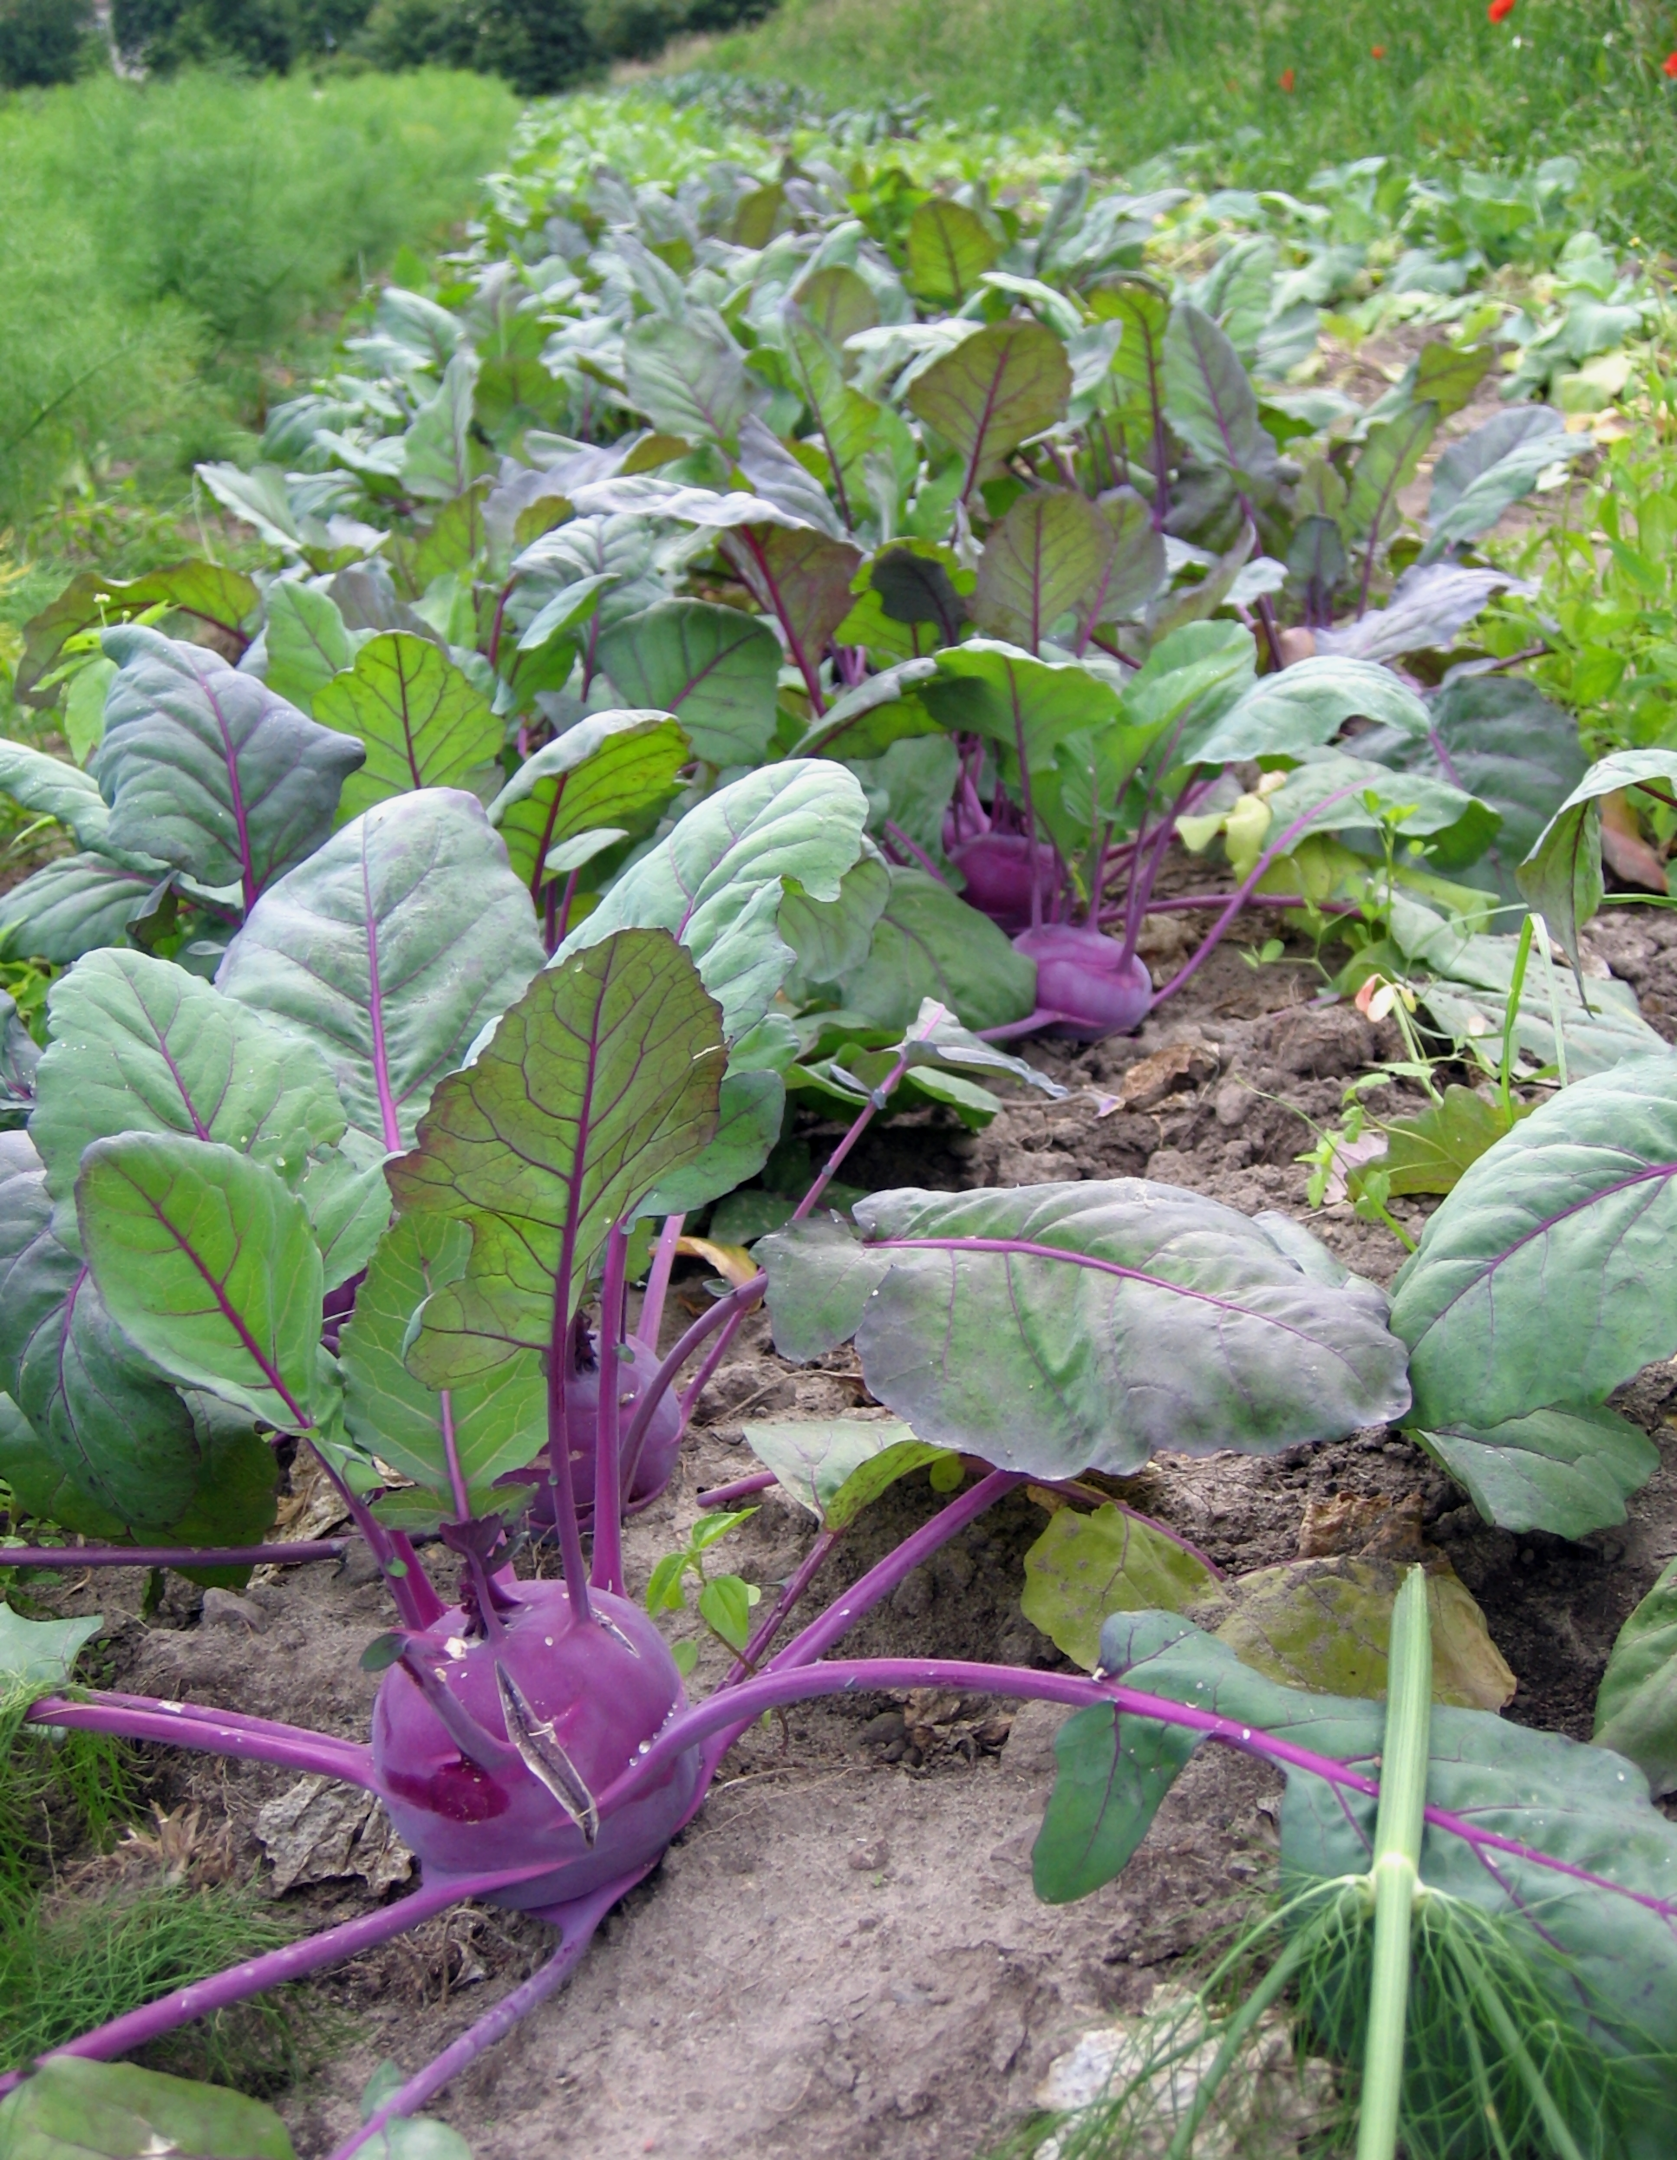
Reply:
x=1145 y=76
x=162 y=244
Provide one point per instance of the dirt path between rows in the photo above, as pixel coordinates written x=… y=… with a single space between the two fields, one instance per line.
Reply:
x=842 y=1958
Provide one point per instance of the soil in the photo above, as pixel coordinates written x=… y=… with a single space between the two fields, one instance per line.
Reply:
x=842 y=1958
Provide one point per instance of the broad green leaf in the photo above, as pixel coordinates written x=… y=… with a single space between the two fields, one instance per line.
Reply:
x=1044 y=560
x=949 y=249
x=68 y=2108
x=1636 y=1708
x=613 y=765
x=1110 y=1775
x=749 y=1117
x=139 y=1045
x=604 y=1077
x=84 y=707
x=784 y=480
x=838 y=301
x=1543 y=1278
x=41 y=1653
x=1388 y=460
x=1209 y=396
x=879 y=711
x=1472 y=976
x=206 y=1262
x=1190 y=679
x=307 y=642
x=714 y=668
x=847 y=425
x=1084 y=1567
x=1135 y=572
x=423 y=724
x=1497 y=737
x=991 y=392
x=1058 y=1328
x=836 y=1467
x=389 y=949
x=48 y=787
x=1567 y=1469
x=614 y=557
x=1325 y=1625
x=1305 y=706
x=220 y=599
x=1561 y=877
x=689 y=376
x=496 y=1424
x=1479 y=477
x=206 y=769
x=1427 y=1153
x=1352 y=794
x=927 y=943
x=437 y=449
x=105 y=1434
x=717 y=881
x=832 y=937
x=349 y=1207
x=1026 y=705
x=73 y=906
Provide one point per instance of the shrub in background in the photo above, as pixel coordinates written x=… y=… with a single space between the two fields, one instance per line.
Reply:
x=266 y=36
x=538 y=46
x=43 y=41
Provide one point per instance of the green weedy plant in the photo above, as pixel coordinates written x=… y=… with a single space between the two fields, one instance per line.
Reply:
x=1466 y=2006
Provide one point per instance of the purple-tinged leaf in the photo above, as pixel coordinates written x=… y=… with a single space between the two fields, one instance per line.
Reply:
x=1044 y=560
x=206 y=769
x=139 y=1045
x=1059 y=1328
x=389 y=949
x=220 y=599
x=206 y=1262
x=714 y=668
x=422 y=722
x=604 y=1077
x=610 y=768
x=991 y=392
x=1545 y=1277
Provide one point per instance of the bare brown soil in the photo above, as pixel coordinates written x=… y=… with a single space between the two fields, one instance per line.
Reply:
x=842 y=1958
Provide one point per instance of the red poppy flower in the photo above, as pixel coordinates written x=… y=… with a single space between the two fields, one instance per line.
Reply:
x=1379 y=51
x=1500 y=10
x=1288 y=78
x=1670 y=63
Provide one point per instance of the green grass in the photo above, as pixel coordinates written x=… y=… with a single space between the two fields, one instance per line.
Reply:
x=70 y=1964
x=1145 y=76
x=163 y=246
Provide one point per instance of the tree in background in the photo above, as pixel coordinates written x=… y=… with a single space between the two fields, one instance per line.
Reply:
x=43 y=41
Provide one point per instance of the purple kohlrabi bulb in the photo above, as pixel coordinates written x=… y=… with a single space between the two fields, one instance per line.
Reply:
x=1082 y=975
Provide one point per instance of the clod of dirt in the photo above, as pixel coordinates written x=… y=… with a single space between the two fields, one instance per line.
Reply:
x=321 y=1831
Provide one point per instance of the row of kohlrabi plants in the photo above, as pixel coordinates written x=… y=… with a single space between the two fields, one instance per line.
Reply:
x=468 y=902
x=1002 y=511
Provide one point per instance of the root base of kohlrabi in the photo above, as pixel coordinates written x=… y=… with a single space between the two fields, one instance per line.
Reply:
x=605 y=1687
x=1082 y=975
